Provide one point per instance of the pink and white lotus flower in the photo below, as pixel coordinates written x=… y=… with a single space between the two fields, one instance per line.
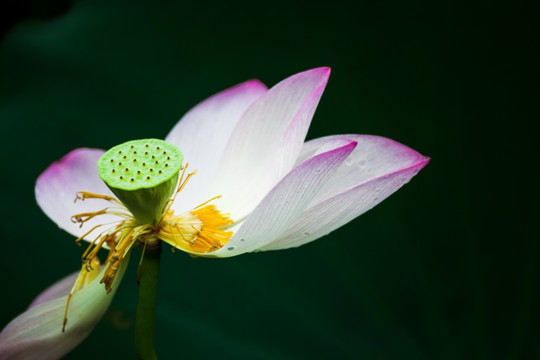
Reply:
x=275 y=192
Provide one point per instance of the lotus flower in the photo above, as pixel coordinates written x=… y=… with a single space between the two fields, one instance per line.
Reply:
x=258 y=187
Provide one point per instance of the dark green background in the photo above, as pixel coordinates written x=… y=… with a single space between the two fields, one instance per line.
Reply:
x=445 y=269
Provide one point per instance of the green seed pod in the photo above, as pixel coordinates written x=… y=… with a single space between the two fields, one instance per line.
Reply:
x=143 y=175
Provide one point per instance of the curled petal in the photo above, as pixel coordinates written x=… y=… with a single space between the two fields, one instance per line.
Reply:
x=267 y=140
x=204 y=131
x=57 y=187
x=37 y=333
x=376 y=169
x=287 y=200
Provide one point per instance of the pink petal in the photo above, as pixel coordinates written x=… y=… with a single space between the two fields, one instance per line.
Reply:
x=267 y=140
x=287 y=200
x=375 y=169
x=203 y=132
x=37 y=333
x=57 y=186
x=56 y=290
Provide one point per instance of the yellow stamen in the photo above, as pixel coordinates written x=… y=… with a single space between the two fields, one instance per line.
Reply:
x=88 y=233
x=182 y=183
x=207 y=201
x=84 y=217
x=200 y=230
x=85 y=277
x=82 y=195
x=119 y=238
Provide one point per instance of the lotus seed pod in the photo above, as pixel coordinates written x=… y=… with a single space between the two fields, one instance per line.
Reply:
x=143 y=175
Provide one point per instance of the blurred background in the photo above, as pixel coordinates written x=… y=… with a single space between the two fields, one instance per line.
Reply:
x=447 y=268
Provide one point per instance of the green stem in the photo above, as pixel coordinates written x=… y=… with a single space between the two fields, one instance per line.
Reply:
x=146 y=308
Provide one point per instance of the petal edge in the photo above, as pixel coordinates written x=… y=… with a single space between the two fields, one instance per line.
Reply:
x=38 y=330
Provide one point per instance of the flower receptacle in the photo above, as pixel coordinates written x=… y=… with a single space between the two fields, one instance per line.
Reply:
x=143 y=175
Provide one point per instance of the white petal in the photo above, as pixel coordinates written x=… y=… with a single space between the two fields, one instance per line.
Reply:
x=287 y=200
x=266 y=141
x=57 y=186
x=37 y=333
x=376 y=169
x=204 y=131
